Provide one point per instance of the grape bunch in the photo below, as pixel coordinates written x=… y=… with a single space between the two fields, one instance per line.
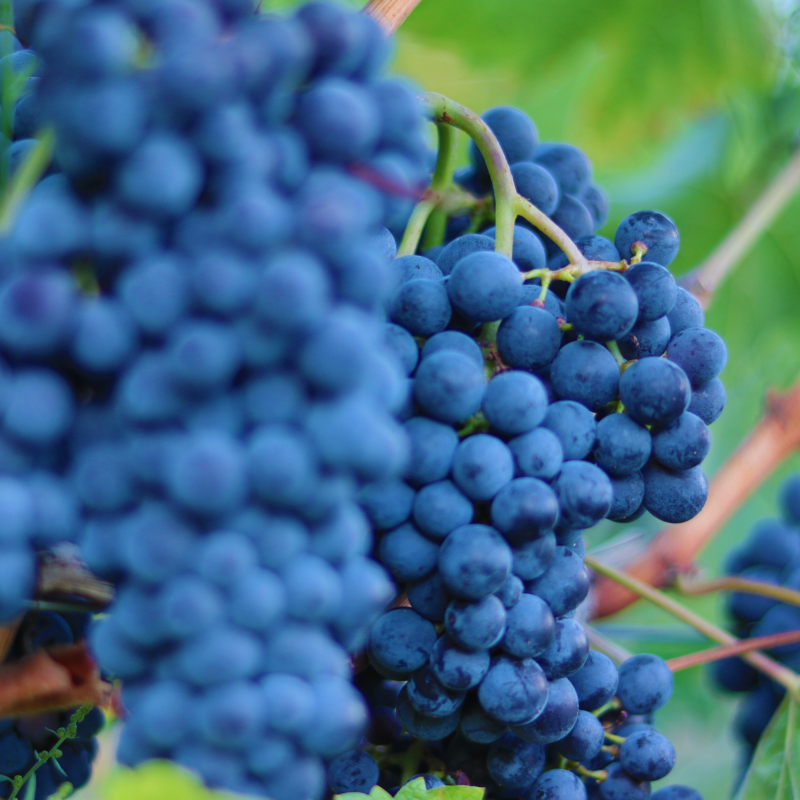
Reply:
x=593 y=737
x=769 y=554
x=596 y=405
x=23 y=737
x=196 y=369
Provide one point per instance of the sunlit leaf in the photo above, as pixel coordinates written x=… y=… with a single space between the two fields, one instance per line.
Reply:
x=774 y=773
x=456 y=793
x=413 y=790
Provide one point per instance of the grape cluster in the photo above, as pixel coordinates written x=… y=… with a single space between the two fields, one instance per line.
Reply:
x=769 y=554
x=581 y=419
x=190 y=315
x=593 y=736
x=21 y=738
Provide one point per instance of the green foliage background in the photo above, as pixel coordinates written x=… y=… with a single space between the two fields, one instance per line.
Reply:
x=689 y=107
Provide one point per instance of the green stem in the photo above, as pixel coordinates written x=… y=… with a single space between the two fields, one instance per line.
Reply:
x=611 y=705
x=618 y=357
x=26 y=177
x=64 y=733
x=781 y=674
x=442 y=179
x=444 y=110
x=612 y=737
x=537 y=218
x=733 y=583
x=435 y=229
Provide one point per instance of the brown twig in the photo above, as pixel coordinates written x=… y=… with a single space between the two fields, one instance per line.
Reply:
x=703 y=281
x=674 y=549
x=606 y=646
x=390 y=14
x=736 y=649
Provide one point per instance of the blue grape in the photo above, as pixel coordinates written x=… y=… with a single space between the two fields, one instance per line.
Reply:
x=584 y=493
x=484 y=286
x=674 y=496
x=529 y=627
x=460 y=248
x=537 y=453
x=387 y=503
x=454 y=340
x=511 y=591
x=421 y=726
x=567 y=652
x=524 y=509
x=628 y=496
x=440 y=508
x=478 y=625
x=477 y=726
x=532 y=559
x=585 y=740
x=596 y=201
x=421 y=306
x=569 y=166
x=528 y=251
x=655 y=289
x=557 y=718
x=536 y=184
x=645 y=684
x=482 y=466
x=586 y=372
x=515 y=133
x=402 y=640
x=572 y=216
x=407 y=268
x=432 y=448
x=676 y=791
x=646 y=339
x=701 y=354
x=429 y=597
x=514 y=402
x=474 y=560
x=514 y=690
x=402 y=344
x=407 y=554
x=565 y=583
x=514 y=763
x=683 y=444
x=457 y=668
x=528 y=338
x=655 y=230
x=353 y=771
x=623 y=446
x=595 y=248
x=575 y=427
x=449 y=386
x=429 y=697
x=647 y=756
x=619 y=786
x=686 y=313
x=654 y=391
x=602 y=305
x=708 y=400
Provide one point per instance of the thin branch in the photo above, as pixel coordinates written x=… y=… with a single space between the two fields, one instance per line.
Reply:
x=733 y=583
x=727 y=650
x=703 y=281
x=390 y=14
x=773 y=669
x=673 y=550
x=606 y=646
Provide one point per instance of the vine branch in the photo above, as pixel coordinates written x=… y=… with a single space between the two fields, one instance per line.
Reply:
x=703 y=281
x=390 y=14
x=736 y=649
x=733 y=583
x=674 y=548
x=771 y=668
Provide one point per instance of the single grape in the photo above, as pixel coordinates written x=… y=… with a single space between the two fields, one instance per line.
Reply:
x=645 y=684
x=602 y=305
x=655 y=230
x=513 y=691
x=647 y=756
x=478 y=625
x=655 y=289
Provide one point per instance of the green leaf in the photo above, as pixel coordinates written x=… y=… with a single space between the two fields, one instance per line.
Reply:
x=413 y=790
x=775 y=769
x=456 y=793
x=378 y=793
x=353 y=796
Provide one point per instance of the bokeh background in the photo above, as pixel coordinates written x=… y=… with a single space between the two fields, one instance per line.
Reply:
x=690 y=107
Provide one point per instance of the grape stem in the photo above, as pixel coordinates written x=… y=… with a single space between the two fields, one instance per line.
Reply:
x=781 y=674
x=25 y=178
x=672 y=551
x=441 y=181
x=54 y=752
x=604 y=645
x=733 y=583
x=727 y=650
x=612 y=737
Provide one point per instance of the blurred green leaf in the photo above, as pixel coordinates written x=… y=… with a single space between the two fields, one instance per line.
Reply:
x=377 y=793
x=623 y=72
x=775 y=770
x=456 y=793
